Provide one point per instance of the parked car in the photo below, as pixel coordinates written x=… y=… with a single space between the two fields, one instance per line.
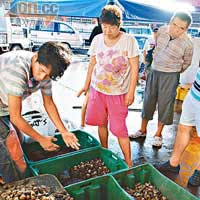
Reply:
x=13 y=34
x=138 y=30
x=57 y=31
x=194 y=32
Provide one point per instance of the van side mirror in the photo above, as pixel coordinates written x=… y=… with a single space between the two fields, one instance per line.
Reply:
x=37 y=27
x=25 y=32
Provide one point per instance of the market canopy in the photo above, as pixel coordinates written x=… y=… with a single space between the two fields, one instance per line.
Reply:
x=139 y=11
x=79 y=8
x=89 y=8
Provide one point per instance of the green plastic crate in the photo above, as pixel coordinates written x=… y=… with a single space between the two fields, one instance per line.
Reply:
x=45 y=179
x=105 y=188
x=147 y=172
x=54 y=187
x=60 y=164
x=85 y=139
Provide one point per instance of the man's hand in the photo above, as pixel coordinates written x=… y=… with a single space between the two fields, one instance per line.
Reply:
x=70 y=140
x=47 y=143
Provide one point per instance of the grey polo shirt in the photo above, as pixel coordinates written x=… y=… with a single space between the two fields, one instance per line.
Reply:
x=172 y=55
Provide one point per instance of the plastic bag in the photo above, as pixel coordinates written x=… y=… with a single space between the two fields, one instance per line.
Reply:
x=40 y=122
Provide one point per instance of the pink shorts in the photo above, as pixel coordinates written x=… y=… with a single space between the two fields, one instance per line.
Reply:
x=103 y=108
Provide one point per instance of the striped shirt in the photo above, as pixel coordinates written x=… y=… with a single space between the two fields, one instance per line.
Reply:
x=195 y=89
x=172 y=55
x=15 y=71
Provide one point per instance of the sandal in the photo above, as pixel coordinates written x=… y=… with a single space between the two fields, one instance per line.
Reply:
x=137 y=134
x=194 y=180
x=157 y=142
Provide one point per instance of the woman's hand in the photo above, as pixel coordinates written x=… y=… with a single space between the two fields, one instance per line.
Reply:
x=84 y=90
x=129 y=99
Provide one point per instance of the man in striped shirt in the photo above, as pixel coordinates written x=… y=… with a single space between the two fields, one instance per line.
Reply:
x=190 y=117
x=21 y=74
x=172 y=55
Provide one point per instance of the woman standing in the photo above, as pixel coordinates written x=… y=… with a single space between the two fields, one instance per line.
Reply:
x=111 y=77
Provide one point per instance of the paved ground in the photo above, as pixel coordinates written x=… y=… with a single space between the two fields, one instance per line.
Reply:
x=65 y=97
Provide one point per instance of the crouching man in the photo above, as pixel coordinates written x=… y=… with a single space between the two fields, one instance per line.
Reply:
x=21 y=74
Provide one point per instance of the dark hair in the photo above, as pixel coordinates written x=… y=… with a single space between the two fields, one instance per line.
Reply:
x=111 y=14
x=55 y=55
x=184 y=16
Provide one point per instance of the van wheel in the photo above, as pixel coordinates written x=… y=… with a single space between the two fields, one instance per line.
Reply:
x=16 y=47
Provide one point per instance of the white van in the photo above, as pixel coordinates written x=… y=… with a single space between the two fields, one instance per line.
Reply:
x=13 y=34
x=58 y=31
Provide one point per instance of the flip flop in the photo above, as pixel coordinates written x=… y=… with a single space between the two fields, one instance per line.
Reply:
x=137 y=134
x=157 y=141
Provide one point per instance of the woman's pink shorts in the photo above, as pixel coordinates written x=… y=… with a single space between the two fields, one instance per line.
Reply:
x=103 y=108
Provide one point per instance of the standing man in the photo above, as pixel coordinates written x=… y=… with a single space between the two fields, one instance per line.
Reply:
x=173 y=55
x=22 y=73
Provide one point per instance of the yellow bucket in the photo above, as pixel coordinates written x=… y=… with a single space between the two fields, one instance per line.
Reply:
x=190 y=160
x=181 y=93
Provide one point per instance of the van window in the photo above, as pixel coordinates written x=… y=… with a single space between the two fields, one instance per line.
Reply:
x=15 y=21
x=47 y=26
x=65 y=28
x=32 y=24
